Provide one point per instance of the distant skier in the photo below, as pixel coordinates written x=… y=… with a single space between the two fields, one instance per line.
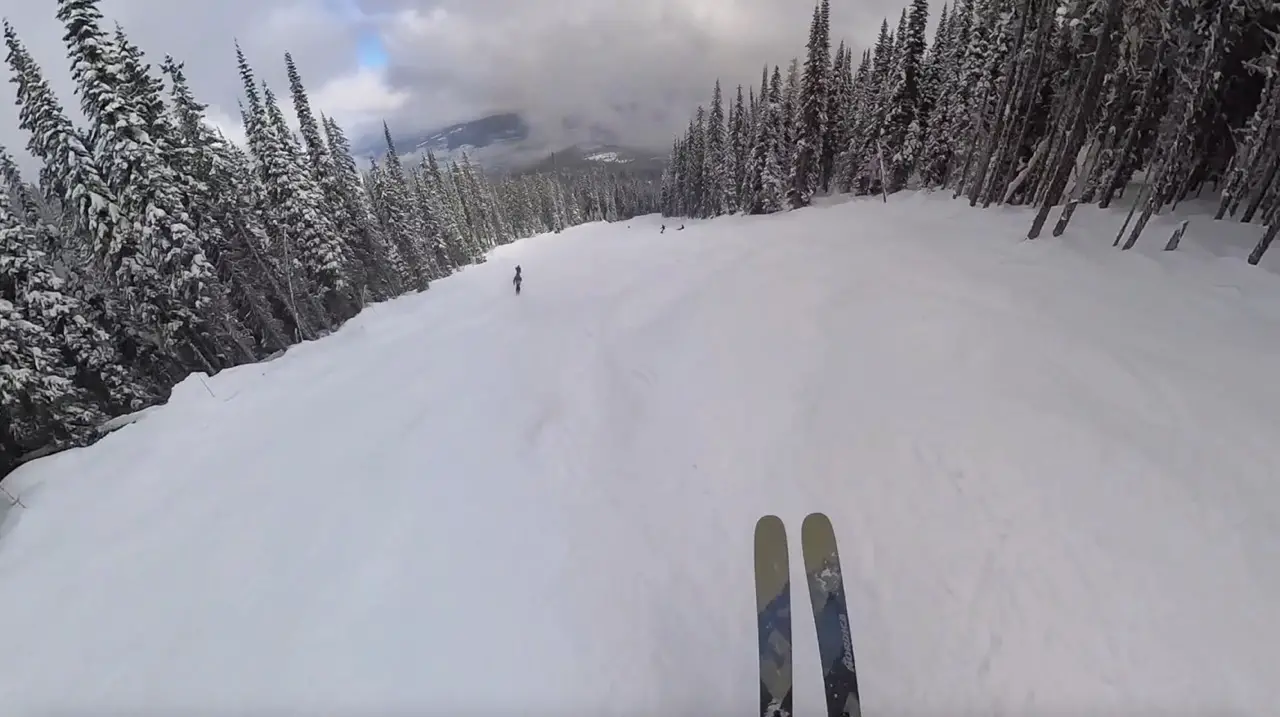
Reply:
x=518 y=279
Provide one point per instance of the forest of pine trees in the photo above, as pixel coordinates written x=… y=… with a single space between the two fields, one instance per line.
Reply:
x=150 y=247
x=1038 y=103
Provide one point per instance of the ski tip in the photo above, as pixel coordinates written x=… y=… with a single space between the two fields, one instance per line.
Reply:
x=818 y=524
x=770 y=531
x=817 y=518
x=768 y=521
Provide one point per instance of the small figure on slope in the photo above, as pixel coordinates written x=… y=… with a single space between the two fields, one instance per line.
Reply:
x=518 y=279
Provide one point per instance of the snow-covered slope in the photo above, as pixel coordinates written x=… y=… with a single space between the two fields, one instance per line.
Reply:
x=1052 y=467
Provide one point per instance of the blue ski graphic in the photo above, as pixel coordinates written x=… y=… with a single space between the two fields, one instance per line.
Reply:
x=773 y=616
x=830 y=615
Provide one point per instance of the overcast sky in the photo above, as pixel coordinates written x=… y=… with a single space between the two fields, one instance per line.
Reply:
x=634 y=66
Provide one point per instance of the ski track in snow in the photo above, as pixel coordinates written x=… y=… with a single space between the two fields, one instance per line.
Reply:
x=1051 y=467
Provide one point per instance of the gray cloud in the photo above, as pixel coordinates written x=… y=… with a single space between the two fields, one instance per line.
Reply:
x=634 y=67
x=637 y=67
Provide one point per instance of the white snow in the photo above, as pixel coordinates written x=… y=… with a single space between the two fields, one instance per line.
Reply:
x=607 y=157
x=1053 y=468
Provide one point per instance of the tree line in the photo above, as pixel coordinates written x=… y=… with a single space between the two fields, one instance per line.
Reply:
x=1038 y=103
x=150 y=247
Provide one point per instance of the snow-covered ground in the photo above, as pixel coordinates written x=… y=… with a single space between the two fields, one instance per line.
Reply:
x=1054 y=469
x=607 y=157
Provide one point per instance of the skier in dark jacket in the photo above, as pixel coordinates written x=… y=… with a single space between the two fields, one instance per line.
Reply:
x=518 y=279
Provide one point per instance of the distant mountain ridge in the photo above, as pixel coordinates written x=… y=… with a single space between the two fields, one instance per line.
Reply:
x=479 y=133
x=503 y=142
x=609 y=157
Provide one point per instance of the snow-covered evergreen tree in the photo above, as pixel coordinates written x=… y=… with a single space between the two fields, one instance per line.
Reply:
x=716 y=164
x=402 y=222
x=31 y=283
x=790 y=119
x=450 y=221
x=223 y=196
x=904 y=96
x=739 y=142
x=385 y=267
x=39 y=400
x=839 y=109
x=811 y=125
x=768 y=184
x=154 y=253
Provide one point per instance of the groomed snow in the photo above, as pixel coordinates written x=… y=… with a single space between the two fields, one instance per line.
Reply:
x=1053 y=468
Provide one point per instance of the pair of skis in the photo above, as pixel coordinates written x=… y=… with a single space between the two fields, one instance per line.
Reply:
x=830 y=616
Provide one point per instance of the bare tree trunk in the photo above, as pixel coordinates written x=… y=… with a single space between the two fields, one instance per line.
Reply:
x=304 y=331
x=1264 y=243
x=1090 y=187
x=1273 y=166
x=1029 y=92
x=979 y=115
x=1131 y=136
x=1056 y=139
x=884 y=192
x=1088 y=102
x=1177 y=236
x=1012 y=70
x=1152 y=199
x=1016 y=183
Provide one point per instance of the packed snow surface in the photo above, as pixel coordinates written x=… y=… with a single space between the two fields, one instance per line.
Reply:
x=1052 y=466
